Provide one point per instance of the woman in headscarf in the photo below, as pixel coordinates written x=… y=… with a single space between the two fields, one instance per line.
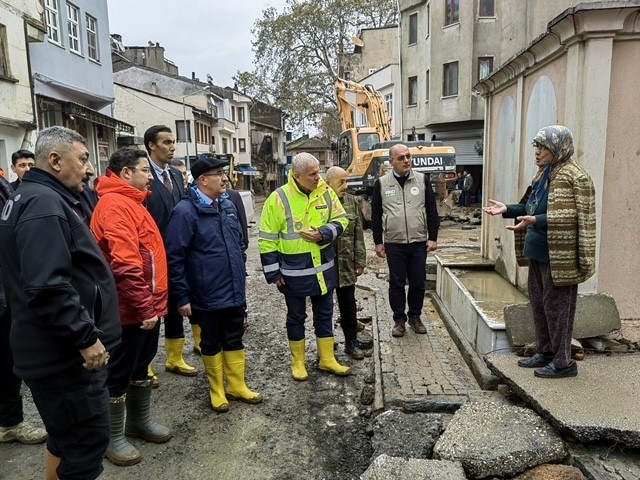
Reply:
x=555 y=236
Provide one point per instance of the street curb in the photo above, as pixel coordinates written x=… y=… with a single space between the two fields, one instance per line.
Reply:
x=378 y=402
x=435 y=404
x=485 y=378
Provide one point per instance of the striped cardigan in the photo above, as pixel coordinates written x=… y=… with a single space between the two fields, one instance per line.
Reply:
x=571 y=225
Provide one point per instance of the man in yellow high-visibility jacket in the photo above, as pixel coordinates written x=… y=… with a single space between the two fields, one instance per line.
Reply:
x=300 y=222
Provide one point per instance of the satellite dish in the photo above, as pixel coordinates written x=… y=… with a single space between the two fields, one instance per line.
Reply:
x=357 y=41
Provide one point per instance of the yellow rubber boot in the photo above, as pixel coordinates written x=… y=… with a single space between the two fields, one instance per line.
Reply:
x=328 y=362
x=153 y=376
x=298 y=358
x=197 y=337
x=215 y=373
x=175 y=362
x=234 y=368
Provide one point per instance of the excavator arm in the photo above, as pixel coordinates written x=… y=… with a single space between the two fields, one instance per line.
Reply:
x=353 y=97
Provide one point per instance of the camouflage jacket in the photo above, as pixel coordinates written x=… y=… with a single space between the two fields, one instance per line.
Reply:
x=350 y=245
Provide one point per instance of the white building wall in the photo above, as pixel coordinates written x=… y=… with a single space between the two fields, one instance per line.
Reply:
x=143 y=111
x=17 y=118
x=386 y=81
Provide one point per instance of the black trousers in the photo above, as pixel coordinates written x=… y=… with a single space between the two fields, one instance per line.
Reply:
x=129 y=361
x=74 y=406
x=406 y=261
x=173 y=323
x=348 y=311
x=10 y=399
x=220 y=329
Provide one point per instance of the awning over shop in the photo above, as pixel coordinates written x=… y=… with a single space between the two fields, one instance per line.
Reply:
x=247 y=170
x=94 y=116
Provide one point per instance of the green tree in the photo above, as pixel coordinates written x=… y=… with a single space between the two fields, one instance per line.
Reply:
x=296 y=54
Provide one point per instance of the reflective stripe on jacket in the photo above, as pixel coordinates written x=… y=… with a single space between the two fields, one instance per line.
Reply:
x=308 y=268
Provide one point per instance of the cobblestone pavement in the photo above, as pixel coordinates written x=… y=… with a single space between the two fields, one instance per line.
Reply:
x=415 y=369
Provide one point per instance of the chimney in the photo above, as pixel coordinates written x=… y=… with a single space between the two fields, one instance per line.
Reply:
x=193 y=75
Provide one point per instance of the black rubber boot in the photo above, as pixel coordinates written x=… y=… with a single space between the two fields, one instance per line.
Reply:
x=352 y=348
x=139 y=422
x=120 y=452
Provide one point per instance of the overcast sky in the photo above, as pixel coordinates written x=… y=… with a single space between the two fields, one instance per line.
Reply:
x=201 y=36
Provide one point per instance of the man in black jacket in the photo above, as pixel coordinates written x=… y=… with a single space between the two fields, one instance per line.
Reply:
x=405 y=223
x=13 y=428
x=167 y=189
x=64 y=308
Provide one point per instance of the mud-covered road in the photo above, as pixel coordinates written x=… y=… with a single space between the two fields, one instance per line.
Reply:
x=303 y=430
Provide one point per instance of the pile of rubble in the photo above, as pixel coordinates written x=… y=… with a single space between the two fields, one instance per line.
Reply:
x=483 y=439
x=450 y=211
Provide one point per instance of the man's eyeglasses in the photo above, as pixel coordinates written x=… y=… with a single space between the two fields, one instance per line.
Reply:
x=404 y=157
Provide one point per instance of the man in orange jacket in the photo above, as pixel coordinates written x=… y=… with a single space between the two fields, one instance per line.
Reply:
x=131 y=242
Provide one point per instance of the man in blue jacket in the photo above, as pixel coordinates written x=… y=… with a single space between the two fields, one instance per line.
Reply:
x=207 y=279
x=64 y=308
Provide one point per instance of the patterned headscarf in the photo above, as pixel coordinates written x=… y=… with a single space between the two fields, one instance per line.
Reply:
x=558 y=139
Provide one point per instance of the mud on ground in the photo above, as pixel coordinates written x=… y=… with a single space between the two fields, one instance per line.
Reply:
x=303 y=430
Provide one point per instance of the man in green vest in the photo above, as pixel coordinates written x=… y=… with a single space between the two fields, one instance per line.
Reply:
x=405 y=223
x=352 y=258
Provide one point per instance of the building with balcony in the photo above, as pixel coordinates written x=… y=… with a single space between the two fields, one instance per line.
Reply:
x=72 y=75
x=213 y=119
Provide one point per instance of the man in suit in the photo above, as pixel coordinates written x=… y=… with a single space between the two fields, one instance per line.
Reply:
x=167 y=189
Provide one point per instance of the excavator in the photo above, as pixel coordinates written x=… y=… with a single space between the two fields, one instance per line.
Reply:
x=364 y=151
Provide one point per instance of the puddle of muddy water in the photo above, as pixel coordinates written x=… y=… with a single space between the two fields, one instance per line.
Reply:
x=488 y=286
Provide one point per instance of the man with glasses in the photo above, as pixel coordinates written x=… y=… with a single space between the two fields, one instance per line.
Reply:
x=207 y=277
x=132 y=244
x=405 y=223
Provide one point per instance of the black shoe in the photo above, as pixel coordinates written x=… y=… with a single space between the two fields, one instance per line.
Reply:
x=416 y=324
x=352 y=348
x=551 y=371
x=538 y=360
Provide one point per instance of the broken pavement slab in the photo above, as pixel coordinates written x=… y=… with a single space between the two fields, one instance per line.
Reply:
x=552 y=472
x=497 y=439
x=385 y=467
x=601 y=403
x=596 y=315
x=400 y=434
